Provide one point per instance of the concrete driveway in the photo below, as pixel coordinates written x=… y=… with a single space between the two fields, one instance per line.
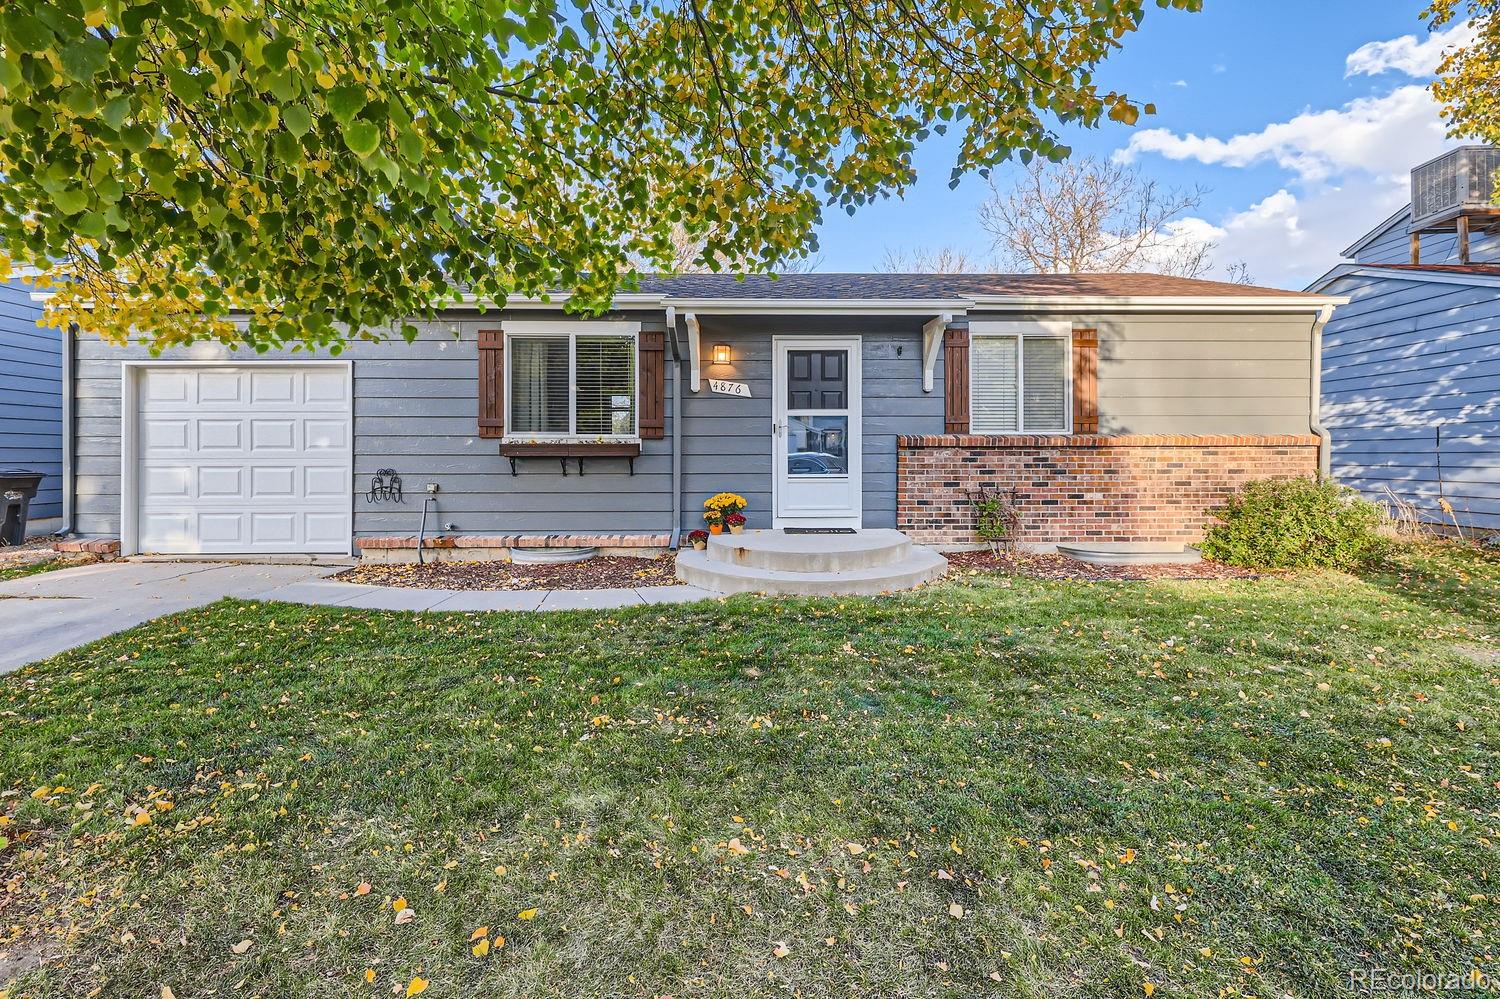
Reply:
x=49 y=613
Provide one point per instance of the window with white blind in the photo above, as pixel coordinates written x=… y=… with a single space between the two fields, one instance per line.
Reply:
x=570 y=383
x=1019 y=378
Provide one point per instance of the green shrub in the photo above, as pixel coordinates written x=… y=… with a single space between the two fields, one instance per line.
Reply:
x=1294 y=524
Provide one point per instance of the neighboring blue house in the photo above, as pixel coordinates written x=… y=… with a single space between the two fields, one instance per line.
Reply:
x=1411 y=366
x=31 y=401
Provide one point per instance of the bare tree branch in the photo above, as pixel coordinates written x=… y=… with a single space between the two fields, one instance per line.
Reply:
x=1092 y=215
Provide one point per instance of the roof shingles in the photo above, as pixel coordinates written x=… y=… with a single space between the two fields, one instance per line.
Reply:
x=945 y=286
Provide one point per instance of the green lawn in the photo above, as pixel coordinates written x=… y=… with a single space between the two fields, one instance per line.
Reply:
x=1004 y=787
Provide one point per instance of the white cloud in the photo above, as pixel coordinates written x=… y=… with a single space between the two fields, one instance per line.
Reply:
x=1346 y=168
x=1407 y=54
x=1379 y=135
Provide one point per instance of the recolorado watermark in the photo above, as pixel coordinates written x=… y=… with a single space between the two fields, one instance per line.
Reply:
x=1389 y=981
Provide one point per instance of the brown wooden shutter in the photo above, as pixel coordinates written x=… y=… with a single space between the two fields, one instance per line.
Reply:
x=651 y=372
x=956 y=380
x=1085 y=381
x=491 y=383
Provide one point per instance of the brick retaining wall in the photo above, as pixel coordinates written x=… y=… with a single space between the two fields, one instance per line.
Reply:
x=1090 y=487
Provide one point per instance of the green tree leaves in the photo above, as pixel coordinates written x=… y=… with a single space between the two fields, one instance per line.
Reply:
x=330 y=172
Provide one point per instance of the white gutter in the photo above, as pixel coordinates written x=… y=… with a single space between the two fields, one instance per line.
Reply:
x=1325 y=446
x=1159 y=303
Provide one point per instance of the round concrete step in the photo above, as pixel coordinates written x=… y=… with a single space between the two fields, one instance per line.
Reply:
x=920 y=565
x=784 y=552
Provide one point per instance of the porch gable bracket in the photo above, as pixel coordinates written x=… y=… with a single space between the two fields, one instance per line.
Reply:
x=695 y=350
x=932 y=345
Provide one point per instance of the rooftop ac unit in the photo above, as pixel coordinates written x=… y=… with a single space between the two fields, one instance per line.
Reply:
x=1456 y=183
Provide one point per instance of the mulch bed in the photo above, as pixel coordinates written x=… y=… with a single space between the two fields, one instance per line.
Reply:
x=600 y=573
x=1054 y=566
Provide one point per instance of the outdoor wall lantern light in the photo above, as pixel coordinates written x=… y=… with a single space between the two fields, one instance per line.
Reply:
x=721 y=353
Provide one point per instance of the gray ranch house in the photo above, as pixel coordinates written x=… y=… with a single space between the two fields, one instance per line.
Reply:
x=1118 y=407
x=1411 y=366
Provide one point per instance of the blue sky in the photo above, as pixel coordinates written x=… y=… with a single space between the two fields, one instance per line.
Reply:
x=1302 y=118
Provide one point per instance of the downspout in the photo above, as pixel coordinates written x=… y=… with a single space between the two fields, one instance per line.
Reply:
x=1325 y=446
x=69 y=392
x=676 y=430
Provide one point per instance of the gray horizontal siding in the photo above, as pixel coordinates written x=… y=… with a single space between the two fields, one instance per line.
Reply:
x=1408 y=365
x=31 y=397
x=415 y=410
x=727 y=440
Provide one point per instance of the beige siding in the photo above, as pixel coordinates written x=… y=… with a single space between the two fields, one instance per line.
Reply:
x=1200 y=374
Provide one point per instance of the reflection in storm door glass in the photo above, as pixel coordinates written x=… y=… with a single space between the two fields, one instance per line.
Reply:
x=817 y=445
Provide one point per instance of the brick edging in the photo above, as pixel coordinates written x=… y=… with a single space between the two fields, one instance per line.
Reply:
x=519 y=541
x=94 y=546
x=1106 y=440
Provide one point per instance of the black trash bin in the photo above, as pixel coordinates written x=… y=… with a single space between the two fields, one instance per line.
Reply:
x=17 y=490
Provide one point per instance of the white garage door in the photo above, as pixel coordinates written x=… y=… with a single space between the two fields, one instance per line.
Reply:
x=243 y=460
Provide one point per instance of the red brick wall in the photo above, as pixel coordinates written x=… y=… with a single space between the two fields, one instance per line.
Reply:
x=1088 y=487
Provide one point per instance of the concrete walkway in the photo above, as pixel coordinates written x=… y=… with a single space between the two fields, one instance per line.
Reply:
x=52 y=612
x=43 y=615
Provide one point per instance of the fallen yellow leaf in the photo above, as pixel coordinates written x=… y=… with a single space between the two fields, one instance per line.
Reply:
x=369 y=974
x=1148 y=987
x=854 y=848
x=526 y=914
x=399 y=903
x=483 y=931
x=481 y=948
x=416 y=986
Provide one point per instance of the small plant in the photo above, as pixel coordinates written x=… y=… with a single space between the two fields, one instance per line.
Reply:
x=1295 y=524
x=735 y=522
x=698 y=539
x=997 y=516
x=725 y=504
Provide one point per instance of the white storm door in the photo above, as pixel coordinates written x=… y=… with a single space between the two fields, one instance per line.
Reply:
x=236 y=460
x=816 y=437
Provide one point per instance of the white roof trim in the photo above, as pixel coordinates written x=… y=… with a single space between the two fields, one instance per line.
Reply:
x=1375 y=233
x=1421 y=277
x=544 y=327
x=1161 y=303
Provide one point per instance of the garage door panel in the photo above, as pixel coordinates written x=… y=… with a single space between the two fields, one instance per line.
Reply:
x=164 y=434
x=327 y=389
x=273 y=482
x=167 y=482
x=275 y=388
x=326 y=530
x=220 y=388
x=221 y=482
x=169 y=387
x=220 y=435
x=325 y=482
x=244 y=461
x=326 y=435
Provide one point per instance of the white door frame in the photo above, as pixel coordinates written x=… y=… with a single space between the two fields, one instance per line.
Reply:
x=780 y=344
x=130 y=504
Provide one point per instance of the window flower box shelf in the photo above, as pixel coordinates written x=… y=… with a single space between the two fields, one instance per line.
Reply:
x=577 y=450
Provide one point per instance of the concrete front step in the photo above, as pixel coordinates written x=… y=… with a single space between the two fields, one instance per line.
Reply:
x=918 y=566
x=784 y=552
x=1131 y=553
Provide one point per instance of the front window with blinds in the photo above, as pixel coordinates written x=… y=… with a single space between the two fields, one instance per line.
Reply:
x=571 y=385
x=1018 y=383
